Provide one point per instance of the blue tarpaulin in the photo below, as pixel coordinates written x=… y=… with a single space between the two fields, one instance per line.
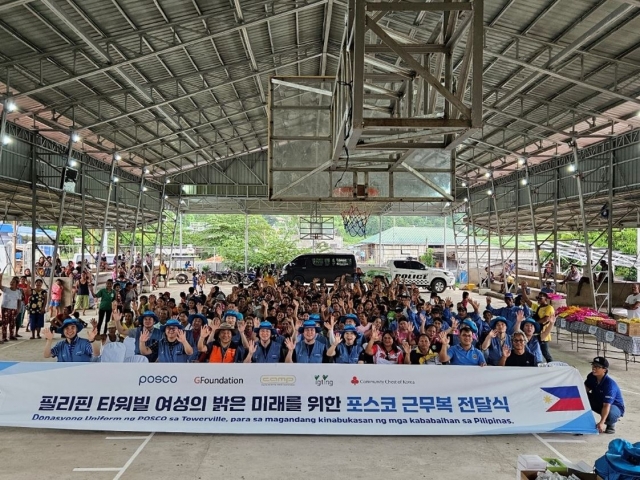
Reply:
x=7 y=229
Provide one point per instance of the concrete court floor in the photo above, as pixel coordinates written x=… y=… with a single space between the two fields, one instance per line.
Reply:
x=132 y=456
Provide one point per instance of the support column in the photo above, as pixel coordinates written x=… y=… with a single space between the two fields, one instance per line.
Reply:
x=475 y=239
x=83 y=219
x=499 y=232
x=106 y=209
x=380 y=256
x=158 y=231
x=610 y=273
x=533 y=222
x=517 y=222
x=135 y=218
x=63 y=199
x=583 y=217
x=556 y=259
x=246 y=239
x=3 y=126
x=444 y=244
x=175 y=229
x=34 y=208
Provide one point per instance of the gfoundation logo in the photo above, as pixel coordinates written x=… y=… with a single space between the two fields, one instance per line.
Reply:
x=278 y=380
x=218 y=381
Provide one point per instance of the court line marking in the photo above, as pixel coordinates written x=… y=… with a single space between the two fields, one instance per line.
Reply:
x=125 y=438
x=550 y=447
x=133 y=457
x=629 y=391
x=13 y=343
x=116 y=469
x=552 y=440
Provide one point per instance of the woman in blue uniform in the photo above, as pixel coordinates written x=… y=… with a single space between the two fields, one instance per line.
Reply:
x=173 y=347
x=72 y=348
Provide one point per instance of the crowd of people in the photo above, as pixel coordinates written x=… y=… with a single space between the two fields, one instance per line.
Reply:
x=347 y=322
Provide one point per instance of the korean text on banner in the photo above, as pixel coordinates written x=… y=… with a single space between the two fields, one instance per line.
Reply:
x=294 y=399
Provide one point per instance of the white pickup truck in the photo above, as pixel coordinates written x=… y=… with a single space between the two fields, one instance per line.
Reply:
x=412 y=271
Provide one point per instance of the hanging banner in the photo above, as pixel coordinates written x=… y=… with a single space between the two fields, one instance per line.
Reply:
x=323 y=399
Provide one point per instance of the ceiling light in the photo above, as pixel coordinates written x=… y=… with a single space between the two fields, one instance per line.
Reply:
x=168 y=180
x=72 y=163
x=147 y=171
x=144 y=189
x=166 y=197
x=183 y=202
x=75 y=137
x=465 y=199
x=6 y=140
x=117 y=157
x=487 y=174
x=572 y=167
x=11 y=107
x=521 y=161
x=523 y=181
x=115 y=179
x=464 y=184
x=489 y=192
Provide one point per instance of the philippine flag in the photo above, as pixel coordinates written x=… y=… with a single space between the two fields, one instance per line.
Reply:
x=567 y=399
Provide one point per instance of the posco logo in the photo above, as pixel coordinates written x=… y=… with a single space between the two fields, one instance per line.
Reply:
x=218 y=381
x=157 y=379
x=278 y=380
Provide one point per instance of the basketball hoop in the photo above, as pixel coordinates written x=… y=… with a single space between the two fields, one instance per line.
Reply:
x=356 y=216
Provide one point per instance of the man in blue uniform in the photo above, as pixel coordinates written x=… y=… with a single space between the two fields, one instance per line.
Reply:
x=72 y=348
x=464 y=353
x=604 y=394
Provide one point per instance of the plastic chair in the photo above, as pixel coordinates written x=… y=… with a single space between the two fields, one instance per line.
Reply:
x=136 y=359
x=130 y=345
x=113 y=353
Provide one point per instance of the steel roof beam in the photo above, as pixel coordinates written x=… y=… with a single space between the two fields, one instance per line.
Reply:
x=167 y=50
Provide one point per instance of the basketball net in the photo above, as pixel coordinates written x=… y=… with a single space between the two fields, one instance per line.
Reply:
x=355 y=220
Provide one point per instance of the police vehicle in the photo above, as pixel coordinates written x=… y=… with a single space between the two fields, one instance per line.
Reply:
x=412 y=271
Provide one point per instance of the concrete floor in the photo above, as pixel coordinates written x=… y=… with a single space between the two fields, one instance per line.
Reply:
x=130 y=456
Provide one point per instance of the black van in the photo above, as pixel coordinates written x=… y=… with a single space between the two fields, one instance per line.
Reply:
x=328 y=266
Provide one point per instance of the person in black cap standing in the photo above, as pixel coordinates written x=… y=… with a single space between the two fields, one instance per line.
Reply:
x=604 y=394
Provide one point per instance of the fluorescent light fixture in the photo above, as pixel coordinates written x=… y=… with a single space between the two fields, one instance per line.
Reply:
x=117 y=157
x=115 y=179
x=521 y=161
x=75 y=137
x=524 y=181
x=489 y=192
x=487 y=174
x=465 y=199
x=10 y=106
x=166 y=197
x=144 y=189
x=571 y=167
x=168 y=180
x=73 y=163
x=464 y=184
x=6 y=140
x=147 y=171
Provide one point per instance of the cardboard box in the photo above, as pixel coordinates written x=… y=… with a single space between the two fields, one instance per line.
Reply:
x=630 y=329
x=530 y=475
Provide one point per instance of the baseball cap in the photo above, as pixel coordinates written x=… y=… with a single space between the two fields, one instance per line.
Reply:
x=600 y=362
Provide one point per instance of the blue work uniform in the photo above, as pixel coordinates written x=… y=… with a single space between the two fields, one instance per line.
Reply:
x=315 y=354
x=510 y=315
x=533 y=347
x=348 y=353
x=607 y=391
x=494 y=352
x=78 y=350
x=156 y=336
x=460 y=356
x=269 y=354
x=171 y=352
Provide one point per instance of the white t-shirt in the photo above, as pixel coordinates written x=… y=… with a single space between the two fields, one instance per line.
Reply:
x=631 y=299
x=10 y=298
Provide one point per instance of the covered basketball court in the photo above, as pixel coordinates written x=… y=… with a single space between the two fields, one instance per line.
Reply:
x=507 y=117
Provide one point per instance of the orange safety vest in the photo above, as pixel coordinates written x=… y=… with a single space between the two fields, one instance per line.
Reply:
x=216 y=355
